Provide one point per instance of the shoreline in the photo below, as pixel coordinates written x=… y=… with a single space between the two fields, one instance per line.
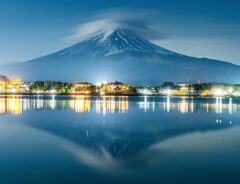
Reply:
x=113 y=95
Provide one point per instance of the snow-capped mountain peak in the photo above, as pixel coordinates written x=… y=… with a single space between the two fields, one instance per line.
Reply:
x=111 y=42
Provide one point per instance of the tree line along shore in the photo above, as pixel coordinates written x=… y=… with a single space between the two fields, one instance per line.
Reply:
x=17 y=86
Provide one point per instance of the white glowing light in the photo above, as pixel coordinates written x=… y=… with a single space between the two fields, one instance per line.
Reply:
x=53 y=91
x=168 y=92
x=230 y=90
x=218 y=92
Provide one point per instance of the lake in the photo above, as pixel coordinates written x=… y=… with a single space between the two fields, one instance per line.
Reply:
x=79 y=139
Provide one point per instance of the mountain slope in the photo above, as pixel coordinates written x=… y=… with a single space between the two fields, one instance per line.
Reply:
x=114 y=42
x=122 y=55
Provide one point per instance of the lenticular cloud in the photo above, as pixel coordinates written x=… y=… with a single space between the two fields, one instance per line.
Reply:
x=89 y=29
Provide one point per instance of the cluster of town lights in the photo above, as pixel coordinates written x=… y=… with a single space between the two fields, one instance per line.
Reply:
x=17 y=86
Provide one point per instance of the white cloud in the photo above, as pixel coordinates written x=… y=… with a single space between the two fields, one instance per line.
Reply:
x=117 y=19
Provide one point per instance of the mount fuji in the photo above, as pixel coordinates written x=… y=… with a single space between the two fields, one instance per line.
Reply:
x=122 y=55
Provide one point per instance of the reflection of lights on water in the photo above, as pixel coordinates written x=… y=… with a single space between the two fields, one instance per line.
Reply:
x=110 y=105
x=2 y=106
x=192 y=106
x=52 y=102
x=12 y=105
x=81 y=104
x=219 y=121
x=168 y=104
x=103 y=105
x=39 y=103
x=207 y=106
x=113 y=106
x=145 y=103
x=230 y=106
x=183 y=106
x=218 y=105
x=98 y=106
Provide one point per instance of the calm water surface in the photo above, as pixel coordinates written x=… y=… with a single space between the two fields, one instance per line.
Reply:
x=58 y=139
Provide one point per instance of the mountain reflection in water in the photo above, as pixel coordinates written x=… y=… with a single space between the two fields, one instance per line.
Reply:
x=118 y=135
x=151 y=120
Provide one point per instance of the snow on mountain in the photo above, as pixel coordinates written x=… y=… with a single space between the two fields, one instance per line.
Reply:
x=121 y=54
x=111 y=42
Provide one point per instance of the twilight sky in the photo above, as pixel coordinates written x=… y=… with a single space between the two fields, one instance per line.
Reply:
x=201 y=28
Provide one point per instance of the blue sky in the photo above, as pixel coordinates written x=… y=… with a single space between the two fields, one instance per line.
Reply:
x=201 y=28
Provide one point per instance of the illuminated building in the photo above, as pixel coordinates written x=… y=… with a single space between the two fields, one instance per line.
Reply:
x=166 y=91
x=112 y=88
x=184 y=89
x=3 y=83
x=149 y=90
x=14 y=86
x=25 y=87
x=205 y=93
x=83 y=88
x=117 y=88
x=144 y=91
x=3 y=86
x=102 y=89
x=218 y=92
